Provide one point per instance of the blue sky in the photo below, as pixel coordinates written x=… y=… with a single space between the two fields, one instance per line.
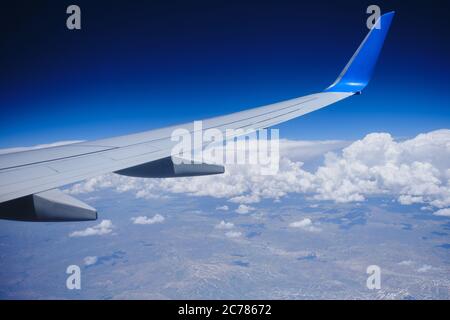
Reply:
x=137 y=67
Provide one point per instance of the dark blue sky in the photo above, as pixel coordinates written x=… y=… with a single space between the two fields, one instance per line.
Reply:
x=144 y=64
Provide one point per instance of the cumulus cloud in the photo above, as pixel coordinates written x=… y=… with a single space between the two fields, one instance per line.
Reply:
x=233 y=234
x=443 y=212
x=414 y=171
x=90 y=260
x=298 y=150
x=407 y=199
x=102 y=228
x=406 y=263
x=305 y=224
x=425 y=268
x=224 y=225
x=146 y=220
x=243 y=209
x=223 y=208
x=250 y=198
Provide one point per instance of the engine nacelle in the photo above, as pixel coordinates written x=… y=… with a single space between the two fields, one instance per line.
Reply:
x=51 y=206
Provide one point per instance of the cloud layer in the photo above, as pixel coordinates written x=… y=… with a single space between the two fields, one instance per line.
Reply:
x=412 y=171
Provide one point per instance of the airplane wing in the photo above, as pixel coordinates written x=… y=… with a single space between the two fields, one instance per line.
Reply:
x=29 y=179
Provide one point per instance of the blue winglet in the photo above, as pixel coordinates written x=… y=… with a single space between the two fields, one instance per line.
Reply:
x=359 y=69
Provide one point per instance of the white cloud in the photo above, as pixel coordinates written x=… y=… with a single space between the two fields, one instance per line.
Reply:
x=233 y=234
x=90 y=260
x=301 y=224
x=243 y=209
x=146 y=220
x=443 y=212
x=102 y=228
x=305 y=224
x=408 y=199
x=223 y=208
x=298 y=150
x=412 y=171
x=406 y=263
x=251 y=198
x=379 y=165
x=224 y=225
x=425 y=268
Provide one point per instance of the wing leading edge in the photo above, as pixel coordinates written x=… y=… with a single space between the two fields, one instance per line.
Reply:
x=28 y=178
